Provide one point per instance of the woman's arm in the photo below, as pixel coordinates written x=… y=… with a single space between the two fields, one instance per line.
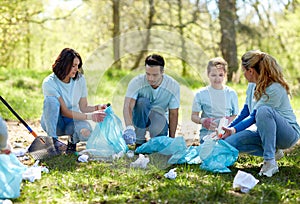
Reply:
x=243 y=114
x=96 y=117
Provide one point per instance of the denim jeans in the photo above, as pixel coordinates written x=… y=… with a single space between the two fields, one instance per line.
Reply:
x=56 y=125
x=145 y=117
x=273 y=131
x=3 y=134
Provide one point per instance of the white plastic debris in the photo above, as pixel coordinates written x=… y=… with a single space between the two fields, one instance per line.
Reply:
x=32 y=173
x=19 y=152
x=223 y=123
x=118 y=156
x=141 y=162
x=83 y=158
x=171 y=174
x=130 y=153
x=244 y=181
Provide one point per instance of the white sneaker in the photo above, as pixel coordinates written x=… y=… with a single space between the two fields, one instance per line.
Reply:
x=268 y=169
x=279 y=154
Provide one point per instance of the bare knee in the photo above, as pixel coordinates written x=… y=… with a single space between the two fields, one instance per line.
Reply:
x=85 y=132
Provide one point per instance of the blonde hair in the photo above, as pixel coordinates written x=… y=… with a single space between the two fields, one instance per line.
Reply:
x=217 y=62
x=269 y=71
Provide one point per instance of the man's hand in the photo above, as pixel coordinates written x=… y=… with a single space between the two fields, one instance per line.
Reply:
x=129 y=135
x=208 y=123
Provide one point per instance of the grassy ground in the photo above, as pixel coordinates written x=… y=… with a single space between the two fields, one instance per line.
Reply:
x=98 y=182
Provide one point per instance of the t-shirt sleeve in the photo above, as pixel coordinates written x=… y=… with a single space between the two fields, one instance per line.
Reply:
x=234 y=103
x=197 y=103
x=132 y=89
x=175 y=99
x=84 y=92
x=50 y=88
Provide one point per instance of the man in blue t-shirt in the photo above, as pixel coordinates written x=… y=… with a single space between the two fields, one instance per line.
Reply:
x=151 y=103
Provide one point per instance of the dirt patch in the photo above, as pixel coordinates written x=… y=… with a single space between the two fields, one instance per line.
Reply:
x=19 y=136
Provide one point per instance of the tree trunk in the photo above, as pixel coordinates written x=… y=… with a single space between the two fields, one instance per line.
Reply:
x=147 y=40
x=116 y=33
x=181 y=31
x=228 y=46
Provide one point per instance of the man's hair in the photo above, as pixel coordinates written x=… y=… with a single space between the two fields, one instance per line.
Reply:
x=155 y=60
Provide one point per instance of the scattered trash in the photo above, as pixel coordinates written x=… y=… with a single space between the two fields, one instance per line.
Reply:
x=244 y=181
x=141 y=162
x=34 y=172
x=118 y=155
x=19 y=152
x=83 y=158
x=96 y=155
x=171 y=174
x=130 y=153
x=6 y=201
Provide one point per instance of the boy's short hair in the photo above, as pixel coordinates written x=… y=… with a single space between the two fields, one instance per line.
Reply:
x=217 y=62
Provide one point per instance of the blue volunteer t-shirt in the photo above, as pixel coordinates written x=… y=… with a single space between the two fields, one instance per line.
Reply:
x=71 y=92
x=166 y=96
x=215 y=103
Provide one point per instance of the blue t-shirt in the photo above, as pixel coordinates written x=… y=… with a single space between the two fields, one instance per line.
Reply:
x=277 y=99
x=164 y=97
x=215 y=103
x=71 y=92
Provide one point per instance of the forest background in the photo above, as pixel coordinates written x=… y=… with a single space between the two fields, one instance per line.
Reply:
x=113 y=38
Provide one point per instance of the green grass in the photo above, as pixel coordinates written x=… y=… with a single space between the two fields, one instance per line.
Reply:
x=72 y=182
x=96 y=182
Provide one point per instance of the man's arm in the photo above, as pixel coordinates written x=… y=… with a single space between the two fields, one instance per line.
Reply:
x=173 y=121
x=129 y=104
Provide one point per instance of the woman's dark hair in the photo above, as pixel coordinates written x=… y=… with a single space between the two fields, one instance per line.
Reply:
x=155 y=60
x=64 y=62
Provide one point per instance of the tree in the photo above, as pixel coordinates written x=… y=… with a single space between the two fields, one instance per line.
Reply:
x=227 y=17
x=116 y=33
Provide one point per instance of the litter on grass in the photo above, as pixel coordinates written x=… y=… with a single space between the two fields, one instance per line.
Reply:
x=244 y=181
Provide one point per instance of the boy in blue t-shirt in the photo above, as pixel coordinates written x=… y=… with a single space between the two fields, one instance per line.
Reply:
x=214 y=101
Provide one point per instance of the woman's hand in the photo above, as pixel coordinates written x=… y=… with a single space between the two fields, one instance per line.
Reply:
x=208 y=123
x=228 y=132
x=97 y=116
x=100 y=107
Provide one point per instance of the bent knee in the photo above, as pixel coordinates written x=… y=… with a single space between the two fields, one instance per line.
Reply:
x=263 y=111
x=85 y=132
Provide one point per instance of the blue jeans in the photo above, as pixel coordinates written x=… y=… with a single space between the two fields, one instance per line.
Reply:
x=145 y=117
x=3 y=134
x=56 y=125
x=273 y=131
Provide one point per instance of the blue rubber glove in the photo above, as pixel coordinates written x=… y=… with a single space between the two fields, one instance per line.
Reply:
x=129 y=135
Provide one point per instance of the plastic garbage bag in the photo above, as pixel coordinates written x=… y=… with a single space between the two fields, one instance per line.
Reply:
x=217 y=155
x=11 y=170
x=155 y=144
x=106 y=138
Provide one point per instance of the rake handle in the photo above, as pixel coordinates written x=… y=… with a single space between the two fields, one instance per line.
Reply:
x=16 y=114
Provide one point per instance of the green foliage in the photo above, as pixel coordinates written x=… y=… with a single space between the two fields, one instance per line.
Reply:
x=21 y=88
